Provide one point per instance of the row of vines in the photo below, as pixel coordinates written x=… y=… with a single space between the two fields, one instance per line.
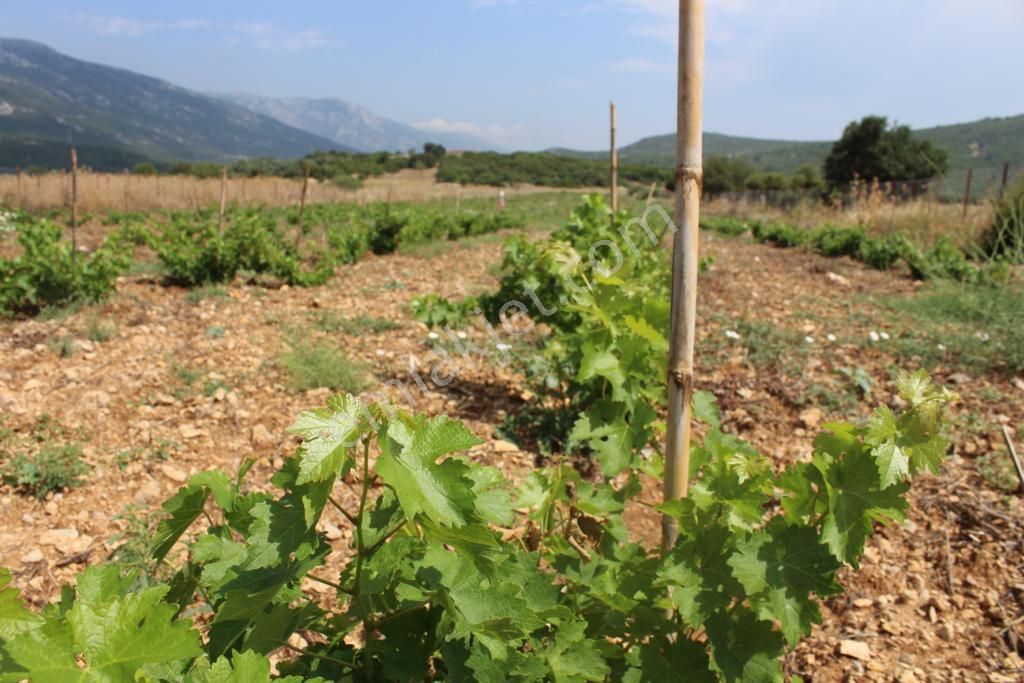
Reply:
x=197 y=248
x=457 y=573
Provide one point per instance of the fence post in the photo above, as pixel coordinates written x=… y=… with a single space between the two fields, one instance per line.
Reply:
x=683 y=320
x=223 y=197
x=17 y=171
x=614 y=162
x=74 y=203
x=967 y=193
x=302 y=202
x=1006 y=177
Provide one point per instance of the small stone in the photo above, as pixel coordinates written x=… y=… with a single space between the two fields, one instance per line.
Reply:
x=855 y=649
x=502 y=446
x=174 y=474
x=164 y=400
x=332 y=532
x=219 y=395
x=147 y=493
x=58 y=537
x=261 y=436
x=863 y=603
x=811 y=417
x=32 y=385
x=188 y=431
x=837 y=279
x=32 y=556
x=947 y=631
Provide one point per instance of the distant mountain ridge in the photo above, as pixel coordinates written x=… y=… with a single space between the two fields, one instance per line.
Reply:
x=983 y=146
x=47 y=97
x=350 y=124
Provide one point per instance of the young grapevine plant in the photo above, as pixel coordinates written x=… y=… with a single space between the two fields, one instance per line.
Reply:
x=455 y=573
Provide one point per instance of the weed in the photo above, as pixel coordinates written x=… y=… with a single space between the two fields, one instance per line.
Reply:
x=333 y=321
x=214 y=332
x=211 y=387
x=99 y=330
x=197 y=295
x=996 y=469
x=63 y=347
x=316 y=364
x=52 y=468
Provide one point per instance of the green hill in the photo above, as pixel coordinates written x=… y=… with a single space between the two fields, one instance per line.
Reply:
x=983 y=145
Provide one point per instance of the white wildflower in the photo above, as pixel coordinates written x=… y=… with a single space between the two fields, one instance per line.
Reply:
x=732 y=334
x=884 y=336
x=983 y=336
x=809 y=339
x=433 y=336
x=831 y=337
x=941 y=347
x=381 y=352
x=873 y=336
x=502 y=346
x=460 y=334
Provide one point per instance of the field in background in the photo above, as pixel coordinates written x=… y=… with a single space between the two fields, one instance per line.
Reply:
x=102 y=192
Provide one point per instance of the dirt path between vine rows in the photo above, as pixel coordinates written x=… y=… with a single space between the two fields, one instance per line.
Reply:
x=183 y=386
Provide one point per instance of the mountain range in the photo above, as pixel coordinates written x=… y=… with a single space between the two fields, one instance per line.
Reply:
x=118 y=118
x=983 y=146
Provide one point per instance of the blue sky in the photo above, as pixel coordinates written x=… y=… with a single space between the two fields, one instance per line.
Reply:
x=537 y=73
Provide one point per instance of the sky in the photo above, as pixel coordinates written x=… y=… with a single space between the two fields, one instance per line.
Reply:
x=532 y=74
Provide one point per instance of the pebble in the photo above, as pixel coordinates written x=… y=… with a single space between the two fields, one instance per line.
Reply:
x=174 y=474
x=856 y=649
x=32 y=556
x=261 y=436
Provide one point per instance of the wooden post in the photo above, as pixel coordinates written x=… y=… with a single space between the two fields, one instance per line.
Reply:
x=1013 y=456
x=614 y=165
x=1006 y=177
x=683 y=320
x=650 y=193
x=302 y=202
x=74 y=202
x=223 y=196
x=17 y=172
x=967 y=193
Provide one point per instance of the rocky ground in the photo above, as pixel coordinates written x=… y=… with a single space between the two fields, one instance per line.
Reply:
x=158 y=384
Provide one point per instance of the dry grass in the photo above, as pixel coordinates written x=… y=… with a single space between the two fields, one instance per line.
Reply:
x=923 y=219
x=102 y=192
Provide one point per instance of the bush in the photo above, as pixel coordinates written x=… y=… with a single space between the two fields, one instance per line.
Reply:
x=882 y=253
x=725 y=225
x=49 y=273
x=831 y=240
x=1005 y=237
x=779 y=234
x=52 y=469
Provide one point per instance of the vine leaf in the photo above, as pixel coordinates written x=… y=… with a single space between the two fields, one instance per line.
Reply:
x=328 y=434
x=14 y=617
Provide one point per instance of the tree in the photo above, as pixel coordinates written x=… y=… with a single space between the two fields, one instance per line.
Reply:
x=771 y=181
x=808 y=177
x=725 y=174
x=144 y=168
x=871 y=149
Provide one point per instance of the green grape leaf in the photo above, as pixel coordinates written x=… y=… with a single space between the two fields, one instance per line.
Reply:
x=602 y=363
x=14 y=616
x=574 y=657
x=856 y=499
x=443 y=491
x=661 y=660
x=744 y=648
x=243 y=667
x=328 y=434
x=705 y=409
x=183 y=509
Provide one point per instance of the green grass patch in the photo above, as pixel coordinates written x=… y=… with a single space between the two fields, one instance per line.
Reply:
x=980 y=327
x=313 y=364
x=197 y=295
x=99 y=330
x=46 y=460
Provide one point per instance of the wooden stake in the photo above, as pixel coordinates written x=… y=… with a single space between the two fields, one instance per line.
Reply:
x=302 y=202
x=1006 y=177
x=17 y=172
x=683 y=320
x=74 y=202
x=967 y=193
x=614 y=164
x=1013 y=454
x=650 y=194
x=223 y=197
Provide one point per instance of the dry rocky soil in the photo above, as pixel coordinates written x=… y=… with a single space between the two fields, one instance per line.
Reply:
x=185 y=384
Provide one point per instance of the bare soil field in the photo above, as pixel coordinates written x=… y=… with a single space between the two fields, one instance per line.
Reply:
x=186 y=382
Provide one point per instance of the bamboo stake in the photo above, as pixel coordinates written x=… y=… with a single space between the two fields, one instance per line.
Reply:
x=967 y=193
x=302 y=202
x=614 y=157
x=17 y=171
x=223 y=197
x=650 y=193
x=688 y=177
x=1006 y=177
x=74 y=203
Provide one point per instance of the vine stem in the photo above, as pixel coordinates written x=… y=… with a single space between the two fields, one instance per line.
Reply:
x=326 y=658
x=345 y=513
x=361 y=557
x=332 y=584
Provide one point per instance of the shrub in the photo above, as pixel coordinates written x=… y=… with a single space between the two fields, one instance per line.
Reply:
x=49 y=273
x=882 y=253
x=1005 y=237
x=779 y=234
x=725 y=225
x=831 y=240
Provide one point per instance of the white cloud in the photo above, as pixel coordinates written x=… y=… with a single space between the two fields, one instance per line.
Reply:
x=638 y=65
x=125 y=26
x=266 y=36
x=491 y=133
